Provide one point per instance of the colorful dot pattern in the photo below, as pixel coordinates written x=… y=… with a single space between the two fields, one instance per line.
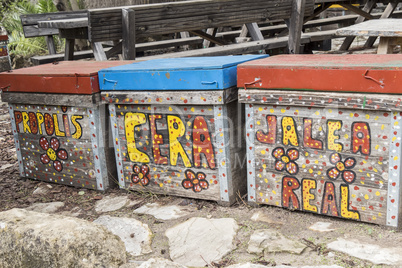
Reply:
x=173 y=126
x=79 y=168
x=376 y=173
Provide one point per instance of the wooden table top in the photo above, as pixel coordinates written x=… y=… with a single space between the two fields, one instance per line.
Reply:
x=378 y=27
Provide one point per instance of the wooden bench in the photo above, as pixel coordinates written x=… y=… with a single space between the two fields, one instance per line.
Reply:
x=31 y=28
x=133 y=22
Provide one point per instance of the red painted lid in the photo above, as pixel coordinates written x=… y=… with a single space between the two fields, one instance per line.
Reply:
x=67 y=77
x=339 y=73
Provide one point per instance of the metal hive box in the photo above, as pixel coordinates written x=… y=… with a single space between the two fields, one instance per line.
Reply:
x=185 y=143
x=60 y=129
x=333 y=153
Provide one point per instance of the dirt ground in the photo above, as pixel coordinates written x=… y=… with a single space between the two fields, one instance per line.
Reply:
x=16 y=192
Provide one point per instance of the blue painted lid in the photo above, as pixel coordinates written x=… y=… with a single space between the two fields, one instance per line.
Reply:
x=194 y=73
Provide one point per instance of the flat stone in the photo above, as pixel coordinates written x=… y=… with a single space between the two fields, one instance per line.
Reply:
x=160 y=263
x=262 y=217
x=252 y=265
x=368 y=252
x=136 y=235
x=271 y=241
x=322 y=227
x=51 y=207
x=32 y=239
x=171 y=212
x=108 y=203
x=42 y=190
x=3 y=167
x=199 y=241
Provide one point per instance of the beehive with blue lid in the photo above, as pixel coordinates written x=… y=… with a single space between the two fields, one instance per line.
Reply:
x=177 y=126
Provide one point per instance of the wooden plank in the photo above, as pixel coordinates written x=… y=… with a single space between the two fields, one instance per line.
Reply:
x=386 y=14
x=185 y=35
x=213 y=97
x=34 y=31
x=331 y=100
x=69 y=49
x=50 y=44
x=67 y=23
x=211 y=31
x=129 y=34
x=209 y=37
x=357 y=10
x=370 y=4
x=234 y=49
x=254 y=31
x=360 y=191
x=88 y=101
x=178 y=15
x=295 y=26
x=98 y=51
x=32 y=19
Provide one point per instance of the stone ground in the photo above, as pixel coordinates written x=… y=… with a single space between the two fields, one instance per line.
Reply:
x=201 y=233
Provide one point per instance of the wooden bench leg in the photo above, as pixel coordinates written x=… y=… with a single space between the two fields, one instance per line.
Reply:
x=387 y=44
x=69 y=49
x=128 y=49
x=50 y=44
x=99 y=53
x=367 y=8
x=295 y=26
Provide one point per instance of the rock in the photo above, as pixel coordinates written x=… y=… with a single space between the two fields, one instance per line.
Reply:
x=261 y=216
x=164 y=212
x=251 y=265
x=75 y=212
x=199 y=241
x=136 y=235
x=41 y=190
x=247 y=265
x=372 y=253
x=267 y=240
x=32 y=239
x=51 y=207
x=160 y=263
x=108 y=204
x=3 y=167
x=321 y=227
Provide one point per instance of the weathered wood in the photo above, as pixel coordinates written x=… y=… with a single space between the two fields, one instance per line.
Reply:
x=60 y=144
x=98 y=51
x=357 y=10
x=69 y=49
x=168 y=164
x=363 y=186
x=254 y=31
x=87 y=101
x=67 y=23
x=128 y=35
x=50 y=44
x=385 y=15
x=211 y=31
x=185 y=35
x=387 y=44
x=332 y=100
x=209 y=37
x=234 y=49
x=188 y=15
x=370 y=4
x=296 y=25
x=215 y=97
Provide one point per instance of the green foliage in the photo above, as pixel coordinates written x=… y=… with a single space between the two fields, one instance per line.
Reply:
x=11 y=22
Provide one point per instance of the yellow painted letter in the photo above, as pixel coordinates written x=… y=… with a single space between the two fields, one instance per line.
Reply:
x=332 y=126
x=131 y=120
x=307 y=195
x=345 y=212
x=289 y=131
x=176 y=130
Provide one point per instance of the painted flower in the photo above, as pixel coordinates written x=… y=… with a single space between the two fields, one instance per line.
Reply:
x=141 y=175
x=342 y=168
x=53 y=152
x=286 y=160
x=195 y=182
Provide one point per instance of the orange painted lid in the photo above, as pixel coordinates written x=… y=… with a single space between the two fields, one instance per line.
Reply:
x=66 y=77
x=367 y=73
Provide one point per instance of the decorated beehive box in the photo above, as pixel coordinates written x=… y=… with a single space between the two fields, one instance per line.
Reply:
x=59 y=126
x=177 y=127
x=324 y=134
